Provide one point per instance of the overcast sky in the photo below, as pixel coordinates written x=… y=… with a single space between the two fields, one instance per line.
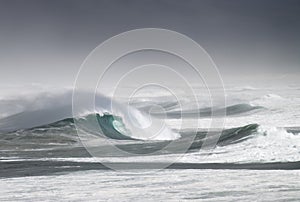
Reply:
x=46 y=41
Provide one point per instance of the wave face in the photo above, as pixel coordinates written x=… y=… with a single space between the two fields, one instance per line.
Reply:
x=114 y=127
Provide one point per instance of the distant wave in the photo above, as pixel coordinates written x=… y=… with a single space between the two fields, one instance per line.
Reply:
x=208 y=112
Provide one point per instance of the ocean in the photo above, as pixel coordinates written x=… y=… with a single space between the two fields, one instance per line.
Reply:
x=50 y=153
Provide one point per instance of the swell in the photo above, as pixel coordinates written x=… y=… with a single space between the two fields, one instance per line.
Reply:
x=209 y=112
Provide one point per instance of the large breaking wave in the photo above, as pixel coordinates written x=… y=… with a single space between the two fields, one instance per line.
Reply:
x=42 y=126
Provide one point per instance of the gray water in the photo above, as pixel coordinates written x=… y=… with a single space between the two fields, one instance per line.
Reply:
x=164 y=185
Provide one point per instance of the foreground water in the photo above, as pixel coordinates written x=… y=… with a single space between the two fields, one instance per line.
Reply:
x=172 y=185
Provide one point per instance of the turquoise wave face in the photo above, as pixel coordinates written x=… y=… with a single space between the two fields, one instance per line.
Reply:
x=113 y=127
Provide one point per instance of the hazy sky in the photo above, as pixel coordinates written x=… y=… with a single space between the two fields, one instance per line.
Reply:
x=46 y=41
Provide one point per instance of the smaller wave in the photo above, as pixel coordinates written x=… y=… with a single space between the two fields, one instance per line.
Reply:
x=209 y=112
